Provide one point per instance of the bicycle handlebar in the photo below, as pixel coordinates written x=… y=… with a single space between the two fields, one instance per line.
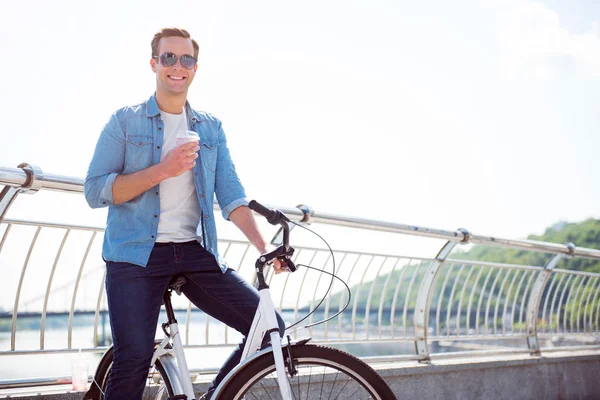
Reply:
x=284 y=252
x=274 y=217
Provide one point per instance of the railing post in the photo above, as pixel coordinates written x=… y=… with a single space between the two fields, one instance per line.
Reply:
x=534 y=300
x=32 y=185
x=422 y=306
x=7 y=196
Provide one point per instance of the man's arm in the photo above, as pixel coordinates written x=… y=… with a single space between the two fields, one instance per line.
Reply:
x=179 y=160
x=127 y=187
x=243 y=218
x=105 y=185
x=232 y=199
x=228 y=188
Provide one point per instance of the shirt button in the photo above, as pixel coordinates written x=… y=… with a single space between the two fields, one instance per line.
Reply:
x=206 y=217
x=159 y=128
x=155 y=216
x=157 y=193
x=158 y=147
x=196 y=173
x=140 y=143
x=152 y=236
x=103 y=202
x=201 y=195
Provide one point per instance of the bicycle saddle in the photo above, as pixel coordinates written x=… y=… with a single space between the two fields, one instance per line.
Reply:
x=176 y=283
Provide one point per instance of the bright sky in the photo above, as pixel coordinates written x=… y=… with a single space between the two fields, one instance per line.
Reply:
x=475 y=114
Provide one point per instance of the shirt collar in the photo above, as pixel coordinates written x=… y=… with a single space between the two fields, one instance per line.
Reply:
x=152 y=109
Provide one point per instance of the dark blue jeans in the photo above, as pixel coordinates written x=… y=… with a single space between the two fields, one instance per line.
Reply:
x=135 y=297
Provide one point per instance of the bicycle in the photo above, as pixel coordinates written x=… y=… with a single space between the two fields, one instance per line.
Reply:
x=284 y=370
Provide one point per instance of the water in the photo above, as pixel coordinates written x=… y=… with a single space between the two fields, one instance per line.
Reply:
x=59 y=364
x=56 y=338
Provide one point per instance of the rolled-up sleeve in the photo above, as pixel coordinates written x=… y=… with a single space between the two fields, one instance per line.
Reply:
x=106 y=164
x=226 y=210
x=228 y=187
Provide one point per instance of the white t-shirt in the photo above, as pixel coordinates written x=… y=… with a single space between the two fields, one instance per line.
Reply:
x=179 y=207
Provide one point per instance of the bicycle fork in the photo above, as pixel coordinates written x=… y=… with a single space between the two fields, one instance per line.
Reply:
x=284 y=384
x=265 y=322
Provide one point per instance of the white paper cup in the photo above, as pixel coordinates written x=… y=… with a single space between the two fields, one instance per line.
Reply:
x=79 y=370
x=185 y=137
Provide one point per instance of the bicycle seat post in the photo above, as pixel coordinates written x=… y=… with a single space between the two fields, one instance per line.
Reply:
x=175 y=284
x=169 y=307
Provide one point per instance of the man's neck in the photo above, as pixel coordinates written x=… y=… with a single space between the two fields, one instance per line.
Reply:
x=172 y=104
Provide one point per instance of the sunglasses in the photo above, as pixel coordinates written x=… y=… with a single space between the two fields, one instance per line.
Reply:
x=170 y=59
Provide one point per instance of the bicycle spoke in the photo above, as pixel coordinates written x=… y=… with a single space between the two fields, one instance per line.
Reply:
x=308 y=388
x=338 y=388
x=343 y=387
x=322 y=382
x=352 y=394
x=265 y=390
x=342 y=377
x=333 y=385
x=291 y=387
x=299 y=388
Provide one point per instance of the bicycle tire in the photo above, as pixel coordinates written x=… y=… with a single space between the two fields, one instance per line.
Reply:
x=102 y=376
x=256 y=379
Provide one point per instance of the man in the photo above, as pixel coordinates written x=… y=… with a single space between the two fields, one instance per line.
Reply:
x=160 y=218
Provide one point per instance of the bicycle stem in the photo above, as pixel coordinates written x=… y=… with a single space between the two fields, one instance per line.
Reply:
x=282 y=253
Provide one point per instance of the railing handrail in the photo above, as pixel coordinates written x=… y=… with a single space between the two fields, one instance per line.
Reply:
x=17 y=177
x=521 y=301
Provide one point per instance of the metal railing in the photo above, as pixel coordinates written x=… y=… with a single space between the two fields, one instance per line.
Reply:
x=400 y=300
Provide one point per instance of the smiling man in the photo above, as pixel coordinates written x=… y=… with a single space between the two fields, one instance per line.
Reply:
x=160 y=218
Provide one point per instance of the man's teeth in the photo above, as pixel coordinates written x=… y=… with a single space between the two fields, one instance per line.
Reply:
x=177 y=78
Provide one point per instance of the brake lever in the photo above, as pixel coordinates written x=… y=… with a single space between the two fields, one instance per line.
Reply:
x=284 y=257
x=287 y=263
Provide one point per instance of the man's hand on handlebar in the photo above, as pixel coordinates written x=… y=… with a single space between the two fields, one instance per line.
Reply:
x=278 y=265
x=280 y=257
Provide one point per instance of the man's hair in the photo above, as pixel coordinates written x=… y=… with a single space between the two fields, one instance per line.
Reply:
x=169 y=32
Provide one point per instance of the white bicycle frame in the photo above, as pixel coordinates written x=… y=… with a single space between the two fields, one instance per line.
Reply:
x=177 y=369
x=264 y=322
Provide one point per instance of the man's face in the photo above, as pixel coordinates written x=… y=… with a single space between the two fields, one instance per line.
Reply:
x=174 y=79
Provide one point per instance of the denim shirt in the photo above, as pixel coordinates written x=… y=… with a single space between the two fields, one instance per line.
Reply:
x=132 y=141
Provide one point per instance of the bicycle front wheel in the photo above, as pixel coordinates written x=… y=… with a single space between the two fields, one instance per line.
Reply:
x=322 y=373
x=157 y=386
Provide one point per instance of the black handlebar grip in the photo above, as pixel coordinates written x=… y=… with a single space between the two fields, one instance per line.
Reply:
x=272 y=216
x=259 y=208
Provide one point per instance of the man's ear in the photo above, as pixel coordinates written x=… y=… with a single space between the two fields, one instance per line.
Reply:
x=153 y=64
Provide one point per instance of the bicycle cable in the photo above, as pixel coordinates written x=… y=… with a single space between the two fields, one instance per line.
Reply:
x=333 y=276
